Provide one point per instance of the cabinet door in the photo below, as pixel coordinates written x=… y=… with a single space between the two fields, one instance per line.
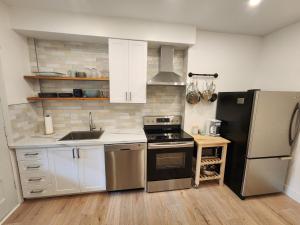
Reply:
x=118 y=70
x=64 y=169
x=92 y=169
x=137 y=71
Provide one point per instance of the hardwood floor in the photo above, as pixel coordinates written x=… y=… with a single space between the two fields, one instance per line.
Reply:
x=210 y=204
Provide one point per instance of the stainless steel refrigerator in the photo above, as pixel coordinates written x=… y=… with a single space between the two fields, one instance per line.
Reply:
x=262 y=127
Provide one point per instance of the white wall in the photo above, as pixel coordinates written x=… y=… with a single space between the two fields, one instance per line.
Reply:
x=15 y=60
x=280 y=63
x=7 y=158
x=14 y=63
x=280 y=70
x=234 y=57
x=96 y=26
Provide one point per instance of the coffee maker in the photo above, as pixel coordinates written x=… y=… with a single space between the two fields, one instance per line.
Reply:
x=213 y=127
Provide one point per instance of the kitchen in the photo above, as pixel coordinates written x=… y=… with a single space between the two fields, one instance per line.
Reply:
x=87 y=181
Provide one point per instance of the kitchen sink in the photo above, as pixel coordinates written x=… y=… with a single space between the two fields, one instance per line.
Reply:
x=82 y=135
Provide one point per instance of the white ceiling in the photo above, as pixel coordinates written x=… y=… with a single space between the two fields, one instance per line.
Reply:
x=233 y=16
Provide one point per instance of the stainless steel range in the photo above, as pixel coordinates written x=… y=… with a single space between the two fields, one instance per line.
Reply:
x=169 y=154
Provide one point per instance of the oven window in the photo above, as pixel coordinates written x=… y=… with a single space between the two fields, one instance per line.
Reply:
x=170 y=160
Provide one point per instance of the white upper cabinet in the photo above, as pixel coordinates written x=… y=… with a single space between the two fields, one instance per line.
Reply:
x=127 y=71
x=137 y=71
x=118 y=70
x=92 y=168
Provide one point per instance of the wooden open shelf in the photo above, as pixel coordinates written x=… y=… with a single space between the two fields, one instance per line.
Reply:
x=66 y=99
x=37 y=77
x=213 y=177
x=211 y=161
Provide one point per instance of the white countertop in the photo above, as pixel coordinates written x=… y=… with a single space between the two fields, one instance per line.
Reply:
x=108 y=137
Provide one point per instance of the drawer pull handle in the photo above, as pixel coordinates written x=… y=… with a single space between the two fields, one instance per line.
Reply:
x=31 y=154
x=33 y=167
x=36 y=191
x=78 y=153
x=35 y=179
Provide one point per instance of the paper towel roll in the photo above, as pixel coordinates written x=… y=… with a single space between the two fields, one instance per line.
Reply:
x=48 y=125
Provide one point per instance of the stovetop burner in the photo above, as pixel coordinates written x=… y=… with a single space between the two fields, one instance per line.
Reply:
x=162 y=137
x=165 y=129
x=168 y=137
x=165 y=136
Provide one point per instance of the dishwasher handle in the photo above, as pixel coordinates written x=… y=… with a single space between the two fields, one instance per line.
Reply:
x=125 y=147
x=123 y=150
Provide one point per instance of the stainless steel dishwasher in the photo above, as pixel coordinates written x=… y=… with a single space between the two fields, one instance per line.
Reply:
x=125 y=166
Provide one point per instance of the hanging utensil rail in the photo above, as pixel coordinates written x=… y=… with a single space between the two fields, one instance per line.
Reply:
x=215 y=75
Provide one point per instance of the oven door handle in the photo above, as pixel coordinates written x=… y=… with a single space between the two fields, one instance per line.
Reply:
x=171 y=145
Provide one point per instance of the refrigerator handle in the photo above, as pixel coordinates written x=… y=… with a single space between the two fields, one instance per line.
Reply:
x=286 y=158
x=292 y=139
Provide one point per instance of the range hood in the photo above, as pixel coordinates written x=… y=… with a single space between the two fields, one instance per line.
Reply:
x=166 y=74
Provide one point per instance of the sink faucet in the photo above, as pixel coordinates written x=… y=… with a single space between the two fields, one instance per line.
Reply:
x=91 y=122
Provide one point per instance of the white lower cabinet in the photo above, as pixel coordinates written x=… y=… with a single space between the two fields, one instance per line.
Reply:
x=34 y=173
x=91 y=172
x=66 y=170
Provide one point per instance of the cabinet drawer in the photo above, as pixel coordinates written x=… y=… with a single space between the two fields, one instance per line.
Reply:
x=36 y=191
x=39 y=167
x=34 y=179
x=32 y=154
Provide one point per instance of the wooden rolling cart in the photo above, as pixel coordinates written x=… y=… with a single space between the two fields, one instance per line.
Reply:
x=210 y=142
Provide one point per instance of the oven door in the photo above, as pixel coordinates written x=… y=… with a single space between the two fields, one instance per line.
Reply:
x=169 y=160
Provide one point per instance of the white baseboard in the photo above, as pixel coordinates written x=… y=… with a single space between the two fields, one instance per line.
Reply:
x=291 y=192
x=9 y=214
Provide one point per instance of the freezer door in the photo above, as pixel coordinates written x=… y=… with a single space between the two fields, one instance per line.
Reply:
x=271 y=117
x=234 y=109
x=265 y=176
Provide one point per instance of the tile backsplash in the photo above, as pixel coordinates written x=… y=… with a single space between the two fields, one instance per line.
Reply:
x=25 y=119
x=74 y=116
x=62 y=56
